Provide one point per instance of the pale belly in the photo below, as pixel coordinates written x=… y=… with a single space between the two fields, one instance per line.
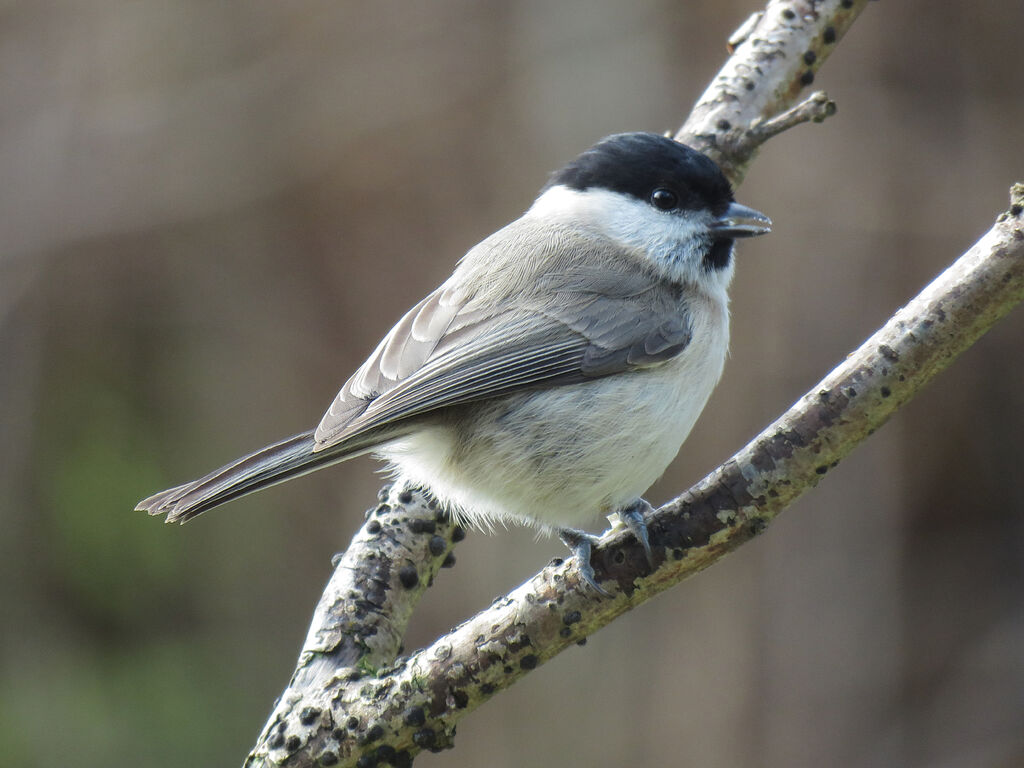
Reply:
x=561 y=457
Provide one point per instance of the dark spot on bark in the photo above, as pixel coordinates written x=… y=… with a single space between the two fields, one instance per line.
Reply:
x=437 y=545
x=385 y=753
x=458 y=534
x=529 y=661
x=749 y=85
x=408 y=576
x=829 y=35
x=888 y=352
x=276 y=741
x=556 y=561
x=292 y=743
x=414 y=717
x=821 y=470
x=619 y=557
x=449 y=560
x=807 y=78
x=571 y=617
x=788 y=13
x=582 y=641
x=518 y=643
x=309 y=715
x=487 y=689
x=383 y=493
x=885 y=391
x=339 y=734
x=772 y=493
x=402 y=759
x=328 y=758
x=1016 y=209
x=405 y=496
x=723 y=125
x=422 y=526
x=424 y=738
x=847 y=3
x=373 y=527
x=678 y=554
x=372 y=735
x=810 y=57
x=383 y=509
x=353 y=722
x=756 y=526
x=507 y=669
x=366 y=761
x=851 y=392
x=565 y=632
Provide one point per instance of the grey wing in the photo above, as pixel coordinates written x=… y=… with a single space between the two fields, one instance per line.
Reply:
x=445 y=352
x=401 y=353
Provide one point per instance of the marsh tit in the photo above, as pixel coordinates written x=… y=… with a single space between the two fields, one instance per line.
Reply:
x=557 y=372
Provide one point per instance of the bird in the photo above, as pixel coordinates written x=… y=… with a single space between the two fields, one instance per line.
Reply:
x=555 y=375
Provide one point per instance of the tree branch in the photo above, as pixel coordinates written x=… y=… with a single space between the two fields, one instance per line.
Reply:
x=416 y=703
x=776 y=54
x=349 y=699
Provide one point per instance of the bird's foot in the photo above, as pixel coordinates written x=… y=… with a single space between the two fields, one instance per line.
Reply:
x=634 y=517
x=581 y=543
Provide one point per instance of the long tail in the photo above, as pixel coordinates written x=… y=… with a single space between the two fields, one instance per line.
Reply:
x=262 y=469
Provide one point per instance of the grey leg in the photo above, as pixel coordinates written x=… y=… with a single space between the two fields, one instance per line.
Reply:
x=580 y=543
x=634 y=517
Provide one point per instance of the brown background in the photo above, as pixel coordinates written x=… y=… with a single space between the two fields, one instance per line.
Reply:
x=210 y=212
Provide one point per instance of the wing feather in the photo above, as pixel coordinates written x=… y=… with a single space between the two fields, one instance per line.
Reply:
x=446 y=351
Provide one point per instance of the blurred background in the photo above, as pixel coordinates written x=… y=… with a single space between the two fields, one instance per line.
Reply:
x=210 y=212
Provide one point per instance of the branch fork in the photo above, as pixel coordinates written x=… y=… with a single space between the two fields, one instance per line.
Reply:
x=353 y=701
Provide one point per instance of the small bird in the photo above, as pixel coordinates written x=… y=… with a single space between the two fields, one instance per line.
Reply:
x=557 y=372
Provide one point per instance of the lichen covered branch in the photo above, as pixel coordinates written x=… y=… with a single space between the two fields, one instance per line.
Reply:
x=776 y=55
x=359 y=623
x=416 y=704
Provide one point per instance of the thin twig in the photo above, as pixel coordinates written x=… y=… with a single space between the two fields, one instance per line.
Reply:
x=814 y=109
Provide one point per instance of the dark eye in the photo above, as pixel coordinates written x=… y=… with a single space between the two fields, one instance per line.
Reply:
x=665 y=199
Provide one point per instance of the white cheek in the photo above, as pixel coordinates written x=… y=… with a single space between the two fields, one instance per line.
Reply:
x=675 y=244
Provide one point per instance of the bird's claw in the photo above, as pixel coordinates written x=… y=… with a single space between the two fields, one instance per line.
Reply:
x=634 y=517
x=581 y=544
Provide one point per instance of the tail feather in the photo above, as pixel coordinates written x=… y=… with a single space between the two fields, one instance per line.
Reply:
x=266 y=467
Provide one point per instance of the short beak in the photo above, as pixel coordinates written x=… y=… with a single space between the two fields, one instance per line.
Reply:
x=740 y=221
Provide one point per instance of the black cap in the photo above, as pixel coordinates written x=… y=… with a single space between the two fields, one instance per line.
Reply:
x=638 y=163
